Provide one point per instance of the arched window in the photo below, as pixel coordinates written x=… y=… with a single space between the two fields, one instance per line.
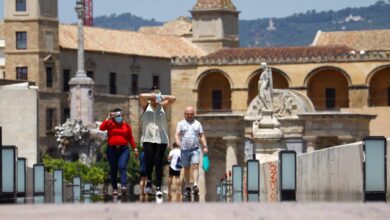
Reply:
x=214 y=93
x=380 y=88
x=328 y=89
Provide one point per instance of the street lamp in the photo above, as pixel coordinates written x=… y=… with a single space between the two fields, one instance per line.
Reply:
x=39 y=183
x=237 y=183
x=253 y=180
x=375 y=168
x=287 y=175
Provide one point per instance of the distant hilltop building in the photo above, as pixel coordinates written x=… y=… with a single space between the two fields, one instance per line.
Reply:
x=271 y=25
x=352 y=18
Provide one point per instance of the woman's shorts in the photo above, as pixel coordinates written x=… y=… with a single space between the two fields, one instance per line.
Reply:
x=173 y=172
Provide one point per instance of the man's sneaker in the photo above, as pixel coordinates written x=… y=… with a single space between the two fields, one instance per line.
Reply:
x=187 y=192
x=159 y=195
x=124 y=191
x=148 y=187
x=195 y=189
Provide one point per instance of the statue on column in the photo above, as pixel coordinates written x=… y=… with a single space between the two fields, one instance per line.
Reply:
x=265 y=86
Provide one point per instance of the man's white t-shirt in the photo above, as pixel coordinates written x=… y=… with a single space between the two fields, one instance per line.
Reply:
x=175 y=154
x=189 y=134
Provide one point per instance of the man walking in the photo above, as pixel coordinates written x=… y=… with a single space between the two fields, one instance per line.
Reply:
x=189 y=136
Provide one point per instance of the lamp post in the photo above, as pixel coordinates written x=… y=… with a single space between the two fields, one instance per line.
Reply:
x=82 y=94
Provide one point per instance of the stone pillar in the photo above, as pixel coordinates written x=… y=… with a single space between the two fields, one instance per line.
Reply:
x=310 y=143
x=231 y=152
x=358 y=96
x=82 y=93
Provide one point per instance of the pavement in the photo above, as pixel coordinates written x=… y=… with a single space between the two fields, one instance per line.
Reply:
x=199 y=211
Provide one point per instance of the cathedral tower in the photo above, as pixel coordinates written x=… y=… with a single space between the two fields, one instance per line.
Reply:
x=32 y=54
x=215 y=24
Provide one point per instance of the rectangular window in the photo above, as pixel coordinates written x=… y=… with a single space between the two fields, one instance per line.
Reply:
x=90 y=74
x=217 y=99
x=112 y=83
x=388 y=96
x=49 y=41
x=134 y=84
x=20 y=5
x=156 y=81
x=66 y=76
x=21 y=73
x=21 y=40
x=50 y=119
x=49 y=76
x=330 y=98
x=66 y=114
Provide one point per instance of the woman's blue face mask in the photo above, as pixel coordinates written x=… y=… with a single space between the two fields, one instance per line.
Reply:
x=118 y=119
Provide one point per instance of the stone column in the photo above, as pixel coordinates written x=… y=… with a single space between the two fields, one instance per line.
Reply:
x=82 y=87
x=310 y=143
x=358 y=96
x=231 y=151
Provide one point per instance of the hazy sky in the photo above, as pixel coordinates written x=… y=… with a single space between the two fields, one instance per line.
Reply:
x=164 y=10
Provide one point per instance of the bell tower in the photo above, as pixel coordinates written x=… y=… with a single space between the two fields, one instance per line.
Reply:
x=31 y=42
x=215 y=24
x=32 y=54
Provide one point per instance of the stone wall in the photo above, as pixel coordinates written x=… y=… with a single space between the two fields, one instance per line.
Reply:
x=380 y=126
x=19 y=120
x=332 y=174
x=102 y=64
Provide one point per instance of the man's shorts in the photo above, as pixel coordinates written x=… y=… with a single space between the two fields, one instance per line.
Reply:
x=191 y=156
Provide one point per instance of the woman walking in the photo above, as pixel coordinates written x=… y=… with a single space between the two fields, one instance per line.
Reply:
x=118 y=152
x=154 y=134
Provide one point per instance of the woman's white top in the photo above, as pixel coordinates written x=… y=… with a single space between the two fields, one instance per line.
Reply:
x=154 y=125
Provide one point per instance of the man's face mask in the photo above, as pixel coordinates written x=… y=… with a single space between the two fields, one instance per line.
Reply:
x=118 y=119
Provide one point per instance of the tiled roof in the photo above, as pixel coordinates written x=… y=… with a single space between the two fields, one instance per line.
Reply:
x=178 y=27
x=214 y=4
x=278 y=52
x=359 y=40
x=126 y=42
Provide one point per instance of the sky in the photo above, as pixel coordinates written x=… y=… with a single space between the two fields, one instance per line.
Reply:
x=165 y=10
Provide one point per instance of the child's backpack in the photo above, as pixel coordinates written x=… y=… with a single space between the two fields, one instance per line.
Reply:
x=178 y=163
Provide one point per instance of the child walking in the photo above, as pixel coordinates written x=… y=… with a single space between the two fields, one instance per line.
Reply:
x=174 y=173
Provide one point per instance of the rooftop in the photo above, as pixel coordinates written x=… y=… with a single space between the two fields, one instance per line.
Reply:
x=279 y=52
x=214 y=4
x=179 y=27
x=129 y=43
x=359 y=40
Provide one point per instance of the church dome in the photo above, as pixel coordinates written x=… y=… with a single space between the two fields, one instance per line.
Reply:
x=214 y=4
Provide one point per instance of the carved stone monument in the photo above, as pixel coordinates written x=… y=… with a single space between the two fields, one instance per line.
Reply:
x=267 y=136
x=75 y=137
